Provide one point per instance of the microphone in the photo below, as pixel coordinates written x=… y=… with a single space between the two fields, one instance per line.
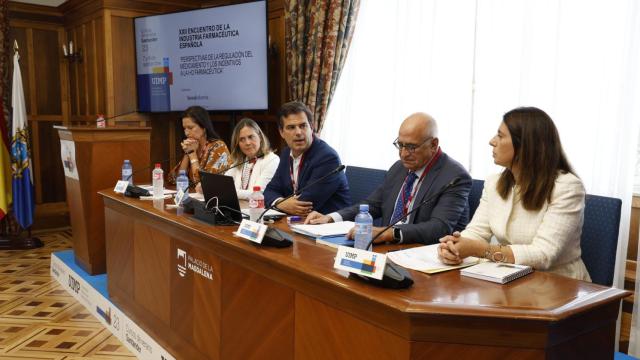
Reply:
x=395 y=276
x=136 y=191
x=278 y=238
x=259 y=156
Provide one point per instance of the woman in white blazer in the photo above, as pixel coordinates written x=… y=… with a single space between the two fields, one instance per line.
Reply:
x=534 y=208
x=248 y=142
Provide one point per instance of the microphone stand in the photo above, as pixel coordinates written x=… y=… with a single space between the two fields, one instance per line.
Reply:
x=278 y=238
x=395 y=276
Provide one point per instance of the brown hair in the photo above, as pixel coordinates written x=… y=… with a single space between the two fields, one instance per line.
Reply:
x=538 y=154
x=200 y=116
x=237 y=156
x=294 y=107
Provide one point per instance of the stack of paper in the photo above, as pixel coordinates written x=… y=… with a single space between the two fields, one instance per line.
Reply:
x=425 y=259
x=330 y=229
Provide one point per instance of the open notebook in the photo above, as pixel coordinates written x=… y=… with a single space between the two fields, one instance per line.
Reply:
x=425 y=259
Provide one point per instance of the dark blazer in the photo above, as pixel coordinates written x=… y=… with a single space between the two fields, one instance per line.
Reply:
x=320 y=159
x=447 y=213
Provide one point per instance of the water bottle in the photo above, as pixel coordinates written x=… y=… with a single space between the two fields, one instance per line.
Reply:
x=256 y=204
x=182 y=182
x=127 y=172
x=364 y=228
x=158 y=181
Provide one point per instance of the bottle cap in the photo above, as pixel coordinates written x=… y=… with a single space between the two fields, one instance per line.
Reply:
x=157 y=165
x=256 y=188
x=126 y=161
x=364 y=207
x=182 y=172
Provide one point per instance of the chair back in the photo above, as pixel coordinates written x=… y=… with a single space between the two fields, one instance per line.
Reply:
x=363 y=181
x=599 y=239
x=474 y=196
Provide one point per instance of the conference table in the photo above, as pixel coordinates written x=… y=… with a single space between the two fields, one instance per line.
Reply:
x=203 y=293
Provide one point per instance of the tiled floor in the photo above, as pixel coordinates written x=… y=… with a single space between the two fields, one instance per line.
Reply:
x=39 y=319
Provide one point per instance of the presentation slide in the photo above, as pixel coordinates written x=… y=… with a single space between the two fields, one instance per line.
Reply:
x=215 y=58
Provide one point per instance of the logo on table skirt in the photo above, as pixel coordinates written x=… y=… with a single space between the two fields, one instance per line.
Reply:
x=366 y=266
x=198 y=266
x=182 y=262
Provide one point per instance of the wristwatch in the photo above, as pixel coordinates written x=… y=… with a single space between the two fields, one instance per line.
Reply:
x=397 y=235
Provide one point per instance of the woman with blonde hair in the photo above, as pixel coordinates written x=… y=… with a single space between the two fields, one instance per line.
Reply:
x=251 y=146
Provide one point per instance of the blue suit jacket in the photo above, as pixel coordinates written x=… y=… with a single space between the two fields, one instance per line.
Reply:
x=445 y=214
x=320 y=159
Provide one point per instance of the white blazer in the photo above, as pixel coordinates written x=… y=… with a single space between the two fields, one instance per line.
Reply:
x=548 y=239
x=261 y=175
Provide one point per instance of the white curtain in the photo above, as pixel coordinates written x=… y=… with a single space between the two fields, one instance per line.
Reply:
x=468 y=62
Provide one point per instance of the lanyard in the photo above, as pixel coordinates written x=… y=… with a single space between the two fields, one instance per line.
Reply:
x=251 y=163
x=407 y=202
x=294 y=181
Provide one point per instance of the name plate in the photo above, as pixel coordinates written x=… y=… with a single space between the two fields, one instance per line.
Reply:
x=179 y=197
x=121 y=186
x=251 y=230
x=361 y=262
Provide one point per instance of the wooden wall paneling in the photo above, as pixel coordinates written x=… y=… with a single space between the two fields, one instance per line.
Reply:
x=85 y=65
x=51 y=179
x=73 y=80
x=36 y=160
x=100 y=64
x=151 y=253
x=29 y=80
x=108 y=51
x=78 y=43
x=64 y=80
x=124 y=65
x=92 y=68
x=47 y=74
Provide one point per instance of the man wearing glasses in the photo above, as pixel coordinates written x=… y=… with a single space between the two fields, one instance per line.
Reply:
x=422 y=172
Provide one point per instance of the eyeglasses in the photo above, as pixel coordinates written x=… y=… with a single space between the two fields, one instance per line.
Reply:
x=409 y=147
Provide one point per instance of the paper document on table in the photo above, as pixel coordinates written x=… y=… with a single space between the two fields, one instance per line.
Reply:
x=149 y=188
x=269 y=214
x=330 y=229
x=425 y=259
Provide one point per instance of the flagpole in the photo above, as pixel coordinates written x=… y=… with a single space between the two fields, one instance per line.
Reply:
x=23 y=203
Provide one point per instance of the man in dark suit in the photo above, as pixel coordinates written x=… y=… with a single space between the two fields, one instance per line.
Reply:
x=304 y=160
x=422 y=171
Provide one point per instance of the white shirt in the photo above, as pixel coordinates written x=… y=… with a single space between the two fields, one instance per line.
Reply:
x=263 y=171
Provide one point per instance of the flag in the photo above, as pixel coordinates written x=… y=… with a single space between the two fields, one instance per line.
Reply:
x=5 y=167
x=23 y=202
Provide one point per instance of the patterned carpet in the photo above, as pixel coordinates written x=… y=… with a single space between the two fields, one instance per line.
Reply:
x=39 y=319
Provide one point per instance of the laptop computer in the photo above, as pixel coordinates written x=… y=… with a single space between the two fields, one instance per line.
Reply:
x=219 y=190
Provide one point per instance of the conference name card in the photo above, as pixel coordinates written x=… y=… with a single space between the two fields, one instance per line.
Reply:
x=121 y=186
x=251 y=231
x=361 y=262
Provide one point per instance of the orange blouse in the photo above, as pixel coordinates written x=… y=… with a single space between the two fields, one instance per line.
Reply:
x=213 y=158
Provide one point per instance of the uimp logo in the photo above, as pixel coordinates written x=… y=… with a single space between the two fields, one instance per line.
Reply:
x=182 y=262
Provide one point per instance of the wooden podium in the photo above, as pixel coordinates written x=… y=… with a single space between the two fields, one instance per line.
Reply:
x=93 y=159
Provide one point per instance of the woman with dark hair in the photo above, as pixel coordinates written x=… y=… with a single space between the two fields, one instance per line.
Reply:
x=247 y=143
x=534 y=208
x=203 y=149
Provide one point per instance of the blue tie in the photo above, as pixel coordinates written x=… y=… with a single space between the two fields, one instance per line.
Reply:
x=398 y=210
